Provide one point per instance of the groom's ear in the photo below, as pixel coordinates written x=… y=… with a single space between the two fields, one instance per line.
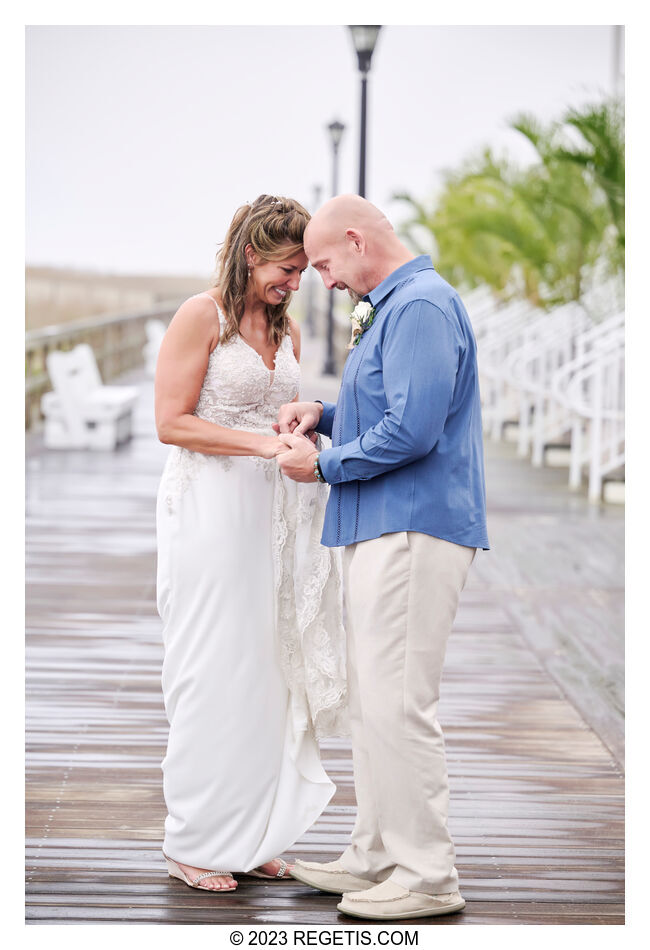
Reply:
x=356 y=241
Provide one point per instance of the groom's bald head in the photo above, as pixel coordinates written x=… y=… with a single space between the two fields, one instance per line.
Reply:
x=345 y=211
x=345 y=239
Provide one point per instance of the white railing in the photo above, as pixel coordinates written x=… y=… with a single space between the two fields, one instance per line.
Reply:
x=548 y=342
x=479 y=302
x=557 y=375
x=592 y=388
x=597 y=393
x=498 y=335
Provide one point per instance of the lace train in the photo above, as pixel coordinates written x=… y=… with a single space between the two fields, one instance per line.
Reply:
x=310 y=634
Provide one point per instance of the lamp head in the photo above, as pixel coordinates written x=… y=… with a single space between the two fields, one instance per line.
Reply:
x=336 y=130
x=364 y=39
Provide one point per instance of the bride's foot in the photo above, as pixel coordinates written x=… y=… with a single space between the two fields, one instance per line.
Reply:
x=221 y=883
x=272 y=867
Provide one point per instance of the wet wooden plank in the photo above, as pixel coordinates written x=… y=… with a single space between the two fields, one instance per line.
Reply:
x=537 y=786
x=482 y=913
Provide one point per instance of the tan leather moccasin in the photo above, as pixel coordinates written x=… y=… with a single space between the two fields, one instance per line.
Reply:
x=389 y=901
x=331 y=877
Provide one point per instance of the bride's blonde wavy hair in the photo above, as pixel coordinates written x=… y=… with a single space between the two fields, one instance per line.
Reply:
x=274 y=228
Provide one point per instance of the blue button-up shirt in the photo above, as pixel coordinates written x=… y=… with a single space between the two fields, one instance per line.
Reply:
x=407 y=446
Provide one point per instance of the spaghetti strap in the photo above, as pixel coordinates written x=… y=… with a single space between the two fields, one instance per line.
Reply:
x=204 y=293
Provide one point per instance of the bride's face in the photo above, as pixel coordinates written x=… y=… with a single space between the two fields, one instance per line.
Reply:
x=271 y=281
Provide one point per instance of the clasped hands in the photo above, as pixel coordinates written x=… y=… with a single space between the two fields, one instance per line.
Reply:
x=296 y=428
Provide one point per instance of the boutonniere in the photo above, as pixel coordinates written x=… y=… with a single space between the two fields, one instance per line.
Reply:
x=361 y=318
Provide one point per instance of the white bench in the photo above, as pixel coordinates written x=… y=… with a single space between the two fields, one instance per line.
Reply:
x=81 y=413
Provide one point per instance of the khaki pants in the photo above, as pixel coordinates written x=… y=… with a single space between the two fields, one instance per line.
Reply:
x=402 y=592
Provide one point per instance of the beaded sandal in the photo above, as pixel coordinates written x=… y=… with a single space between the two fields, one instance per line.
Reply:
x=176 y=871
x=271 y=877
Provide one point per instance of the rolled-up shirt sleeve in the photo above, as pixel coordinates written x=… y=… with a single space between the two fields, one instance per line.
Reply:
x=420 y=358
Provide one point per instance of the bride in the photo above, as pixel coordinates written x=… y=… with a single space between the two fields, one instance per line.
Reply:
x=253 y=671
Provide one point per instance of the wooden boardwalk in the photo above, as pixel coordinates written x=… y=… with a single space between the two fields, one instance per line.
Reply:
x=531 y=706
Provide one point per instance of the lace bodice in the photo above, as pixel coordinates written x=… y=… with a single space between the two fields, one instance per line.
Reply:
x=239 y=391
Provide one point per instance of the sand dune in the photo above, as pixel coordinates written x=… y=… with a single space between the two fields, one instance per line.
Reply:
x=57 y=295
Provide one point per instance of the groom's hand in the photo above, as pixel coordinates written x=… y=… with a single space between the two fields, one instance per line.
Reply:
x=311 y=434
x=298 y=462
x=299 y=417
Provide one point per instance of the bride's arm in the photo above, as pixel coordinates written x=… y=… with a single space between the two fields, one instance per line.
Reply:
x=180 y=371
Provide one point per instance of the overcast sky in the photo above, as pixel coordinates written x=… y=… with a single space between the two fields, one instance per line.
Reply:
x=142 y=141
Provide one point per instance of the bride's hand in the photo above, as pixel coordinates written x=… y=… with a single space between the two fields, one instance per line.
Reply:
x=270 y=447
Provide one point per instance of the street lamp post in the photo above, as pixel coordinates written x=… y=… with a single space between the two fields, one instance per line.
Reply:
x=336 y=130
x=309 y=306
x=364 y=39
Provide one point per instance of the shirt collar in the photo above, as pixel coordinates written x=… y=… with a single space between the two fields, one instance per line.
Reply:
x=377 y=294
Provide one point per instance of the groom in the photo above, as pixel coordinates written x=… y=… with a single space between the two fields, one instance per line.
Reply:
x=408 y=505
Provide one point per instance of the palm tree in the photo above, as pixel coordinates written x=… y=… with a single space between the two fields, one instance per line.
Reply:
x=601 y=154
x=533 y=232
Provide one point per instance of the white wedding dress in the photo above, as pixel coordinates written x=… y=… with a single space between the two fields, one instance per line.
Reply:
x=254 y=667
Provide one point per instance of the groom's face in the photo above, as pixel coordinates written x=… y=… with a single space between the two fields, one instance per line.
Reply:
x=335 y=261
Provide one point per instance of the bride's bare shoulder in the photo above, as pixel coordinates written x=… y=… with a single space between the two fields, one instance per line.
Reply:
x=197 y=317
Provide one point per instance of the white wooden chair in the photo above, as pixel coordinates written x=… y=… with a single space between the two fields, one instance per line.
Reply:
x=81 y=413
x=155 y=330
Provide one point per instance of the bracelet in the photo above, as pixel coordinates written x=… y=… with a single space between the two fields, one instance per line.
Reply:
x=317 y=470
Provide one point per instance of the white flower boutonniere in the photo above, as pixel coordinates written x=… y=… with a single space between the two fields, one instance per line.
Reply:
x=361 y=318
